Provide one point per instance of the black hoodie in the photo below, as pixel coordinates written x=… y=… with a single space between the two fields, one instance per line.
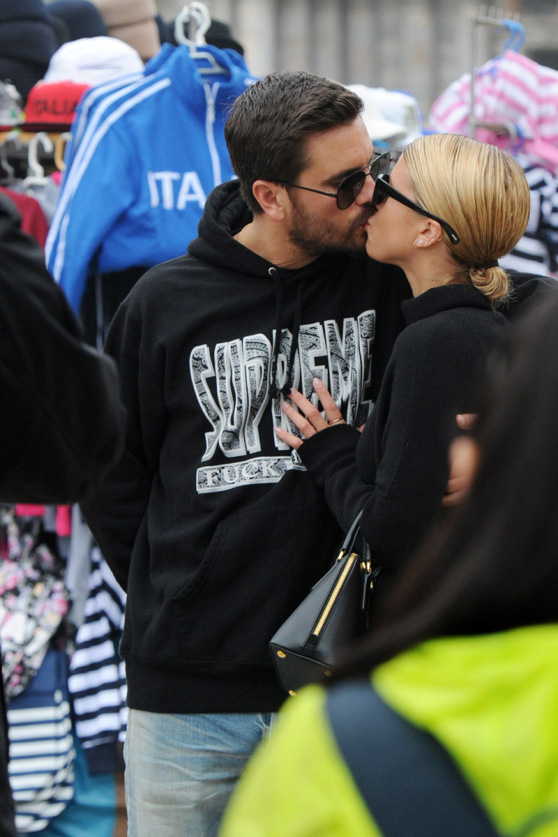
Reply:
x=209 y=522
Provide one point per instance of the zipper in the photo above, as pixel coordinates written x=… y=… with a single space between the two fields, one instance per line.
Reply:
x=210 y=97
x=334 y=594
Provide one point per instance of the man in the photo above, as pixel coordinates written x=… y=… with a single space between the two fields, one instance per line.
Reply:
x=216 y=532
x=62 y=421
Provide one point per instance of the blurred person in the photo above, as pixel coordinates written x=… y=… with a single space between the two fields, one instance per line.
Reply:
x=207 y=514
x=62 y=421
x=449 y=209
x=466 y=650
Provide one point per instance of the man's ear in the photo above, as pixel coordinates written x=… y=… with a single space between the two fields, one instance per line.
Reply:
x=272 y=197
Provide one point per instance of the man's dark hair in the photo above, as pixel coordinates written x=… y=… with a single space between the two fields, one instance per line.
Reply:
x=269 y=123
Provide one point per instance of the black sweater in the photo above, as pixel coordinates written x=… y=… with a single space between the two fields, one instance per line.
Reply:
x=397 y=469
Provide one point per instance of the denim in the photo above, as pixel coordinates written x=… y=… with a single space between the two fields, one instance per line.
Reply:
x=92 y=811
x=181 y=769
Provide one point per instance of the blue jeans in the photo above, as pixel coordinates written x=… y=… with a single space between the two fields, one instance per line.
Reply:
x=181 y=769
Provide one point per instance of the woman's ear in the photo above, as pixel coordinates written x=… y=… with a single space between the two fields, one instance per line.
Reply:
x=429 y=233
x=272 y=197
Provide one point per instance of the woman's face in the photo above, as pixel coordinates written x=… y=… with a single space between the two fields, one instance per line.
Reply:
x=393 y=228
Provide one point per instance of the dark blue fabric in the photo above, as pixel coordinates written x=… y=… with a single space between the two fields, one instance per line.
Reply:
x=23 y=10
x=51 y=676
x=409 y=782
x=83 y=18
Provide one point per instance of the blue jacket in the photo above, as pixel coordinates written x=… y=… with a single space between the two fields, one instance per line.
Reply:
x=137 y=184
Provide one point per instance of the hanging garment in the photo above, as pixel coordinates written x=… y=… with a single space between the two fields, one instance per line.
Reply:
x=96 y=681
x=33 y=599
x=510 y=90
x=33 y=218
x=521 y=97
x=537 y=249
x=137 y=184
x=101 y=96
x=42 y=746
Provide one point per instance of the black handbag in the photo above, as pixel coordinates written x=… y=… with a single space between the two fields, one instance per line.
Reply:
x=334 y=612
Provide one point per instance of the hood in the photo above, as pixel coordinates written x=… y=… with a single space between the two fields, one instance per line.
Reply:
x=225 y=213
x=492 y=700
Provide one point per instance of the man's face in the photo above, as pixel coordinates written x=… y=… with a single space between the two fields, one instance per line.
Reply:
x=315 y=224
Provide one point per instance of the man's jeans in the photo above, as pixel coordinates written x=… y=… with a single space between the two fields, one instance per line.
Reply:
x=181 y=769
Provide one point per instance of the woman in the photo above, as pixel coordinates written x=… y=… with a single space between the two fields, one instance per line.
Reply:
x=468 y=647
x=451 y=207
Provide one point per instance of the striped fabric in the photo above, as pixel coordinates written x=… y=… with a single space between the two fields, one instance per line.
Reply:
x=97 y=680
x=41 y=746
x=513 y=90
x=537 y=251
x=509 y=89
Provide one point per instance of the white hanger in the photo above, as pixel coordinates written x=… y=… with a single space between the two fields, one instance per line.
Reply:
x=35 y=172
x=7 y=170
x=197 y=17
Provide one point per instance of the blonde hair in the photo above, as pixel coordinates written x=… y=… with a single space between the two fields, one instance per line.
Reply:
x=482 y=192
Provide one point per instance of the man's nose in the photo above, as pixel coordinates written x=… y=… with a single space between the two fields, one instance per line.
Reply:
x=365 y=194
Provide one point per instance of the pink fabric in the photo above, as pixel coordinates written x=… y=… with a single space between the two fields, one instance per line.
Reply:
x=63 y=516
x=510 y=89
x=28 y=510
x=63 y=521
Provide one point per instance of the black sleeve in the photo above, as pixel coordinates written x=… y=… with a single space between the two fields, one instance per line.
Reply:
x=62 y=420
x=401 y=492
x=401 y=486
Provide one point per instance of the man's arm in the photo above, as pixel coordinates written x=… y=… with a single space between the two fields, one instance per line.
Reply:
x=62 y=420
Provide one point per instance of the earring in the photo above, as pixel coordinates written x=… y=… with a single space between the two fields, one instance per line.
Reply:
x=421 y=242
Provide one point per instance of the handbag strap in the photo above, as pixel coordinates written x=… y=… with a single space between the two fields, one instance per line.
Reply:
x=353 y=533
x=409 y=782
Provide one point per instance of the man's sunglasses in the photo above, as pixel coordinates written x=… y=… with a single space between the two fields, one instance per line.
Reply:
x=383 y=191
x=350 y=188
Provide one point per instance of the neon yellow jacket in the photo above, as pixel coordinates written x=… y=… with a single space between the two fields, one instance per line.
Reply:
x=491 y=700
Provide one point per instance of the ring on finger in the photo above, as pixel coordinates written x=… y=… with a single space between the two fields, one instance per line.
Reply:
x=335 y=422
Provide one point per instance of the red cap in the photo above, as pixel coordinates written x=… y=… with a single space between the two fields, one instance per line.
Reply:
x=51 y=106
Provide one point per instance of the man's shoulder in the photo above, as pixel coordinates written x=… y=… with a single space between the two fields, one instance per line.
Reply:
x=163 y=277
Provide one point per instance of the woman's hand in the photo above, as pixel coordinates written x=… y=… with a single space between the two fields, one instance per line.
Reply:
x=306 y=416
x=462 y=467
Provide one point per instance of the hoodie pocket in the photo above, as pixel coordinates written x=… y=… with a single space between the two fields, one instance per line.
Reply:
x=252 y=576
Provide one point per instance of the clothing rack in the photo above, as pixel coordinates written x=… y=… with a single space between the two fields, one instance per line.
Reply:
x=517 y=36
x=23 y=153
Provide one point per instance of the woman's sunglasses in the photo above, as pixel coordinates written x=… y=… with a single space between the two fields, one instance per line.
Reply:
x=350 y=188
x=383 y=191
